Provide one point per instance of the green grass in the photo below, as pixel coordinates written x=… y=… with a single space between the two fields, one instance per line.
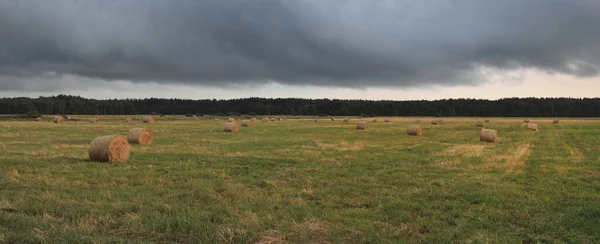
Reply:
x=298 y=181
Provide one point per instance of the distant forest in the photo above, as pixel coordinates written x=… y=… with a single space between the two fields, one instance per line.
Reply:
x=508 y=107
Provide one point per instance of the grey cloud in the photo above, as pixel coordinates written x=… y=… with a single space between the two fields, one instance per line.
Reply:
x=348 y=43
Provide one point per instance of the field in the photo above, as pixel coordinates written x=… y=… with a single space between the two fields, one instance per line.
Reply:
x=298 y=181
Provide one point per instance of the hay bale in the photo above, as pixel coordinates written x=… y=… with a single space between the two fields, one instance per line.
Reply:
x=533 y=126
x=230 y=127
x=487 y=120
x=253 y=119
x=488 y=135
x=128 y=120
x=387 y=120
x=316 y=120
x=332 y=119
x=346 y=120
x=265 y=120
x=480 y=123
x=231 y=120
x=555 y=121
x=246 y=123
x=93 y=120
x=440 y=121
x=112 y=148
x=279 y=119
x=361 y=125
x=272 y=119
x=141 y=136
x=526 y=120
x=38 y=119
x=414 y=130
x=374 y=120
x=58 y=119
x=148 y=119
x=435 y=122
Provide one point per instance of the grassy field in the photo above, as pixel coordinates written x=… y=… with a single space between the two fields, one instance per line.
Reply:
x=298 y=181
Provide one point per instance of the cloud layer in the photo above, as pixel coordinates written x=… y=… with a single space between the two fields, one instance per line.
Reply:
x=345 y=43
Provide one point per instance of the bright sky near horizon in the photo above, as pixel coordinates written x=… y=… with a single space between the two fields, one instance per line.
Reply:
x=348 y=49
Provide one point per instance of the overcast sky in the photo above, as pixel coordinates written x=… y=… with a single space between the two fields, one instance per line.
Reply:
x=367 y=49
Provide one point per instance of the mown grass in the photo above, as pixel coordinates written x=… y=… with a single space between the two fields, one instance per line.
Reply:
x=299 y=181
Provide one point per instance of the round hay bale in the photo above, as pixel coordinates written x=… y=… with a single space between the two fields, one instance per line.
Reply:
x=113 y=148
x=148 y=119
x=93 y=120
x=246 y=123
x=362 y=125
x=58 y=119
x=332 y=119
x=387 y=120
x=316 y=120
x=272 y=119
x=487 y=120
x=435 y=122
x=480 y=123
x=231 y=120
x=265 y=120
x=140 y=136
x=533 y=126
x=346 y=120
x=488 y=135
x=230 y=127
x=526 y=120
x=374 y=120
x=279 y=119
x=38 y=119
x=441 y=121
x=253 y=119
x=414 y=130
x=555 y=121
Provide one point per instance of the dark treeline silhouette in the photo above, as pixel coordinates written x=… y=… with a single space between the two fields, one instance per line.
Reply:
x=508 y=107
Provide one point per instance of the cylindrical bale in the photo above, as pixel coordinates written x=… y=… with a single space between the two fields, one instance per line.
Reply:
x=148 y=119
x=526 y=120
x=332 y=119
x=253 y=119
x=487 y=120
x=346 y=120
x=488 y=135
x=555 y=121
x=141 y=136
x=374 y=120
x=435 y=122
x=230 y=127
x=112 y=148
x=387 y=120
x=231 y=120
x=316 y=120
x=246 y=123
x=265 y=120
x=93 y=120
x=361 y=125
x=480 y=123
x=279 y=119
x=58 y=119
x=414 y=130
x=533 y=126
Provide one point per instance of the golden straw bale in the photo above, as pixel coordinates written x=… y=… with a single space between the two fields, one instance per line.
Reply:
x=246 y=123
x=346 y=120
x=362 y=125
x=387 y=120
x=112 y=148
x=533 y=126
x=480 y=123
x=316 y=120
x=414 y=130
x=435 y=122
x=141 y=136
x=526 y=120
x=332 y=119
x=230 y=127
x=253 y=119
x=487 y=121
x=231 y=120
x=555 y=121
x=265 y=120
x=488 y=135
x=374 y=120
x=148 y=119
x=58 y=119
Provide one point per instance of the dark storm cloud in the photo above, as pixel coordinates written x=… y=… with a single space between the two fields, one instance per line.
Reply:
x=346 y=43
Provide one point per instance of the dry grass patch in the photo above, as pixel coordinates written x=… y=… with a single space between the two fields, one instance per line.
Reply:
x=13 y=175
x=468 y=150
x=341 y=146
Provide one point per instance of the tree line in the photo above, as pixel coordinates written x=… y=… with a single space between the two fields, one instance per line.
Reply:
x=507 y=107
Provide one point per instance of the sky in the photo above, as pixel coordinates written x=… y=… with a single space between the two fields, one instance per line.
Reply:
x=348 y=49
